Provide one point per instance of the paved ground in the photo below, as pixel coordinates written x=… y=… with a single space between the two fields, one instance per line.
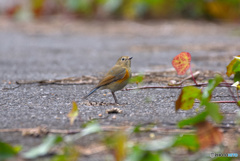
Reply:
x=62 y=48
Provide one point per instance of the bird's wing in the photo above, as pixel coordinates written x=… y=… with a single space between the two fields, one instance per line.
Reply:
x=116 y=73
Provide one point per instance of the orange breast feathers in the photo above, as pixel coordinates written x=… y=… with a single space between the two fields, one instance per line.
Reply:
x=126 y=76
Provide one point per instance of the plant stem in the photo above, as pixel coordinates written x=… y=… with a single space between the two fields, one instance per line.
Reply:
x=192 y=75
x=223 y=101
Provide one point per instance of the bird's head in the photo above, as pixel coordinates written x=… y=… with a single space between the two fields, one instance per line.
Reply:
x=124 y=61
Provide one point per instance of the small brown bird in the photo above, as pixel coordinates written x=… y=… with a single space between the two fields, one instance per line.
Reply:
x=116 y=78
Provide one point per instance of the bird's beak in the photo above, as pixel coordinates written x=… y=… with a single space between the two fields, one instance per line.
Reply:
x=130 y=58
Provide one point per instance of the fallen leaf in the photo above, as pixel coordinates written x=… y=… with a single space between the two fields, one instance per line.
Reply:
x=73 y=114
x=181 y=62
x=136 y=79
x=208 y=135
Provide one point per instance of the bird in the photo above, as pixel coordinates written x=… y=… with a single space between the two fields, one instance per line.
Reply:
x=116 y=78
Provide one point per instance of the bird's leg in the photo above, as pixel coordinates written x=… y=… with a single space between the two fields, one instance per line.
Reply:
x=115 y=98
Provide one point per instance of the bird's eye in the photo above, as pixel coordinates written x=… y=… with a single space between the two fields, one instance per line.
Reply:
x=123 y=59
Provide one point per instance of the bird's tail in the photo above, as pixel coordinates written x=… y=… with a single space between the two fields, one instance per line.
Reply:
x=92 y=91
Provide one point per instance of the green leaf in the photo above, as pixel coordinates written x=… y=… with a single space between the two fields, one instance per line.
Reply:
x=7 y=151
x=69 y=153
x=136 y=129
x=138 y=154
x=213 y=110
x=43 y=148
x=187 y=97
x=189 y=141
x=157 y=145
x=60 y=158
x=150 y=156
x=236 y=66
x=79 y=5
x=90 y=128
x=193 y=120
x=236 y=77
x=238 y=103
x=207 y=92
x=112 y=5
x=136 y=79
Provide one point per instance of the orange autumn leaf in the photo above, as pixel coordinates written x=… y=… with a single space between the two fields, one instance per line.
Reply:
x=208 y=135
x=181 y=62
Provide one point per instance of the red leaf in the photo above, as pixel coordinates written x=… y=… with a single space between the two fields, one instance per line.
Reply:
x=181 y=62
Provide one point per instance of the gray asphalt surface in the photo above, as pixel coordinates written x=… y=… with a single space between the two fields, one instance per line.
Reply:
x=59 y=49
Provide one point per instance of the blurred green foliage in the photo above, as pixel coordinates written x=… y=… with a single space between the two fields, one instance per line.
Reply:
x=132 y=9
x=7 y=151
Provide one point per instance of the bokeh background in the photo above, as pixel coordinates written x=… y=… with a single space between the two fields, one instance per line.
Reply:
x=214 y=10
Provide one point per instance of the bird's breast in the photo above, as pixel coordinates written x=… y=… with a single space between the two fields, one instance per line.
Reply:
x=125 y=78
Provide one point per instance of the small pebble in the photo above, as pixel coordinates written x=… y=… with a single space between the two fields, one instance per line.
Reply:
x=100 y=115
